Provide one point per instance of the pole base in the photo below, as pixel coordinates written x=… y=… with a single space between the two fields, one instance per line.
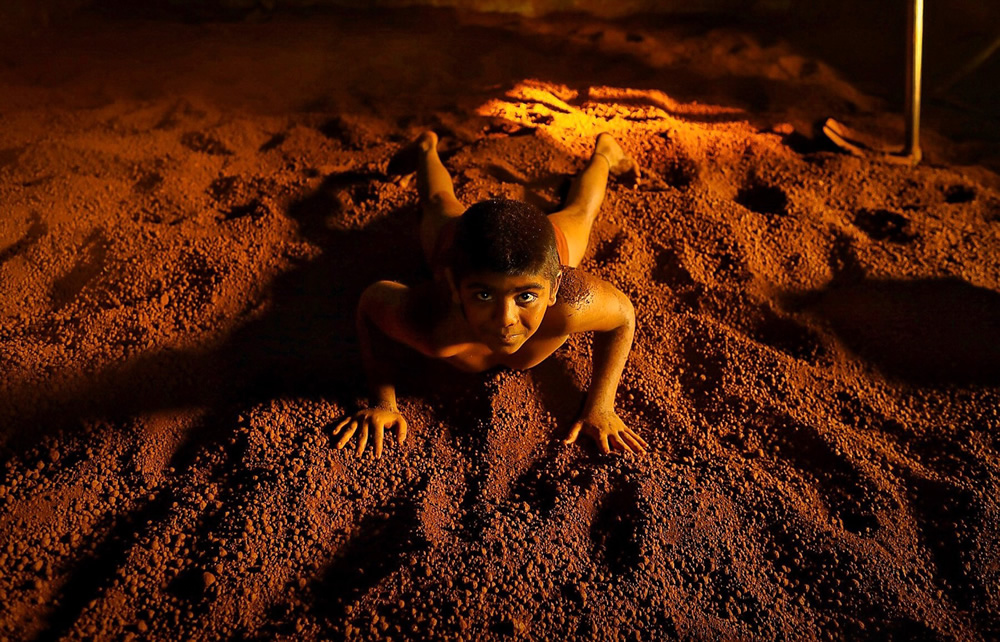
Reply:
x=857 y=144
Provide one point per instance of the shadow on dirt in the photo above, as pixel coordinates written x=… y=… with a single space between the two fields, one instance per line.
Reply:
x=930 y=332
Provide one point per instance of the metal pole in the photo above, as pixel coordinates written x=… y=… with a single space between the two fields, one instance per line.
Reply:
x=915 y=47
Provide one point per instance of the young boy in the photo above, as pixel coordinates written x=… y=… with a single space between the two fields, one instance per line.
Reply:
x=493 y=300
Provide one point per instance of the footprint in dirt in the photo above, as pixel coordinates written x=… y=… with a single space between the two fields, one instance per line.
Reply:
x=502 y=127
x=954 y=194
x=669 y=270
x=346 y=133
x=225 y=188
x=36 y=230
x=678 y=170
x=730 y=262
x=734 y=598
x=148 y=182
x=89 y=265
x=763 y=199
x=337 y=193
x=273 y=142
x=610 y=250
x=541 y=485
x=945 y=511
x=10 y=155
x=884 y=225
x=800 y=557
x=843 y=259
x=253 y=208
x=179 y=111
x=356 y=132
x=205 y=144
x=680 y=173
x=200 y=277
x=846 y=492
x=617 y=529
x=382 y=542
x=235 y=198
x=786 y=335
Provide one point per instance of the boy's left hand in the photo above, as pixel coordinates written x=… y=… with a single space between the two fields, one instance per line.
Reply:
x=609 y=431
x=370 y=422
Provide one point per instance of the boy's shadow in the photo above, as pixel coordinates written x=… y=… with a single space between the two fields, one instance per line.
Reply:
x=302 y=345
x=306 y=344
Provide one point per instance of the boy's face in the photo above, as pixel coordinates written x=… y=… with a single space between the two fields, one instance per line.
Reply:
x=504 y=311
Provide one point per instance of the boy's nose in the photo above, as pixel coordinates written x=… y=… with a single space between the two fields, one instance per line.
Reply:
x=508 y=313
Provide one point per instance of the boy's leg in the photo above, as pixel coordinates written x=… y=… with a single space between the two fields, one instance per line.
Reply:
x=587 y=193
x=437 y=194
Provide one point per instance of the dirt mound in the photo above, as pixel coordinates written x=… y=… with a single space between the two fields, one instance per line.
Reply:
x=190 y=212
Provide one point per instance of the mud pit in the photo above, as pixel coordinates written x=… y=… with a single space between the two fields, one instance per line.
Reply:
x=189 y=215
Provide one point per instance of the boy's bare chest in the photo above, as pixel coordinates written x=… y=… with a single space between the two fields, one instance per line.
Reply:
x=440 y=337
x=477 y=357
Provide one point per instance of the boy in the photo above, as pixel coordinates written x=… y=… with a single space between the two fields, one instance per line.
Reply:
x=493 y=300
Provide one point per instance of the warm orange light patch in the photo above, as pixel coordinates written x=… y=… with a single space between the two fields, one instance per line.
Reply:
x=663 y=103
x=625 y=113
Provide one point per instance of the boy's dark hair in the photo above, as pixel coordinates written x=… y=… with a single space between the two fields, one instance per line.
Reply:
x=506 y=237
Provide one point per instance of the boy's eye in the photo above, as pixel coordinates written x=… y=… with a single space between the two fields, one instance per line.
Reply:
x=526 y=297
x=482 y=296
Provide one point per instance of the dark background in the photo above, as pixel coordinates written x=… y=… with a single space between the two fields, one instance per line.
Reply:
x=955 y=32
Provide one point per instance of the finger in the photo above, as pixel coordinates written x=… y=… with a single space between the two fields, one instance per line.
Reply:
x=618 y=443
x=574 y=432
x=603 y=443
x=378 y=441
x=635 y=436
x=343 y=423
x=632 y=441
x=401 y=430
x=362 y=438
x=351 y=428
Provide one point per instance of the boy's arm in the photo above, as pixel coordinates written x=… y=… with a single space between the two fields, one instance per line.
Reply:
x=378 y=369
x=610 y=315
x=377 y=315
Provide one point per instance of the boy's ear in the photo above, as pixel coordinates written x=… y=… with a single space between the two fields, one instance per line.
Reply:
x=555 y=289
x=452 y=286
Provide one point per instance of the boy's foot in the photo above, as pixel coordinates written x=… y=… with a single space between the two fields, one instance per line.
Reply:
x=405 y=160
x=427 y=141
x=620 y=165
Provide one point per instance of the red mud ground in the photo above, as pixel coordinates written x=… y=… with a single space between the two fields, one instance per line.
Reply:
x=191 y=210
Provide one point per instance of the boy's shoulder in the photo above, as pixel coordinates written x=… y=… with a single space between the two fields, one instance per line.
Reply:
x=586 y=302
x=406 y=313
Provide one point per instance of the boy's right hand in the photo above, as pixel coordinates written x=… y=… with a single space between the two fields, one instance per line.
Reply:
x=371 y=422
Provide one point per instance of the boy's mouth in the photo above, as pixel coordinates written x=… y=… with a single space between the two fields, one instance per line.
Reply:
x=508 y=339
